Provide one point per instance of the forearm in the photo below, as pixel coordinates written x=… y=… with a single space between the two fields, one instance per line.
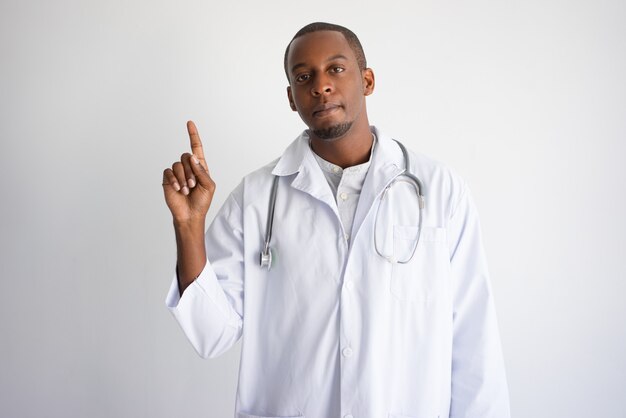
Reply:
x=191 y=252
x=211 y=314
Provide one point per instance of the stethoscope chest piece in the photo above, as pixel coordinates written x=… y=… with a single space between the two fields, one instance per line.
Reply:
x=266 y=258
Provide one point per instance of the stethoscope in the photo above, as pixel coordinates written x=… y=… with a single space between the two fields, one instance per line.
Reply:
x=405 y=176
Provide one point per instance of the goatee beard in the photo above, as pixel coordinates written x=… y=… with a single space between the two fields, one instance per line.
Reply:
x=333 y=132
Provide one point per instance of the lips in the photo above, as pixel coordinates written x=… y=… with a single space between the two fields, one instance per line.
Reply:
x=325 y=109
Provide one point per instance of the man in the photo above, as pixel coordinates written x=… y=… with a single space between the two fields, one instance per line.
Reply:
x=370 y=307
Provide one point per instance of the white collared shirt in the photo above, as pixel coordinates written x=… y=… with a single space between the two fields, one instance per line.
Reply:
x=346 y=184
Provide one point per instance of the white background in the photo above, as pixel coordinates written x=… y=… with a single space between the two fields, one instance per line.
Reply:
x=525 y=99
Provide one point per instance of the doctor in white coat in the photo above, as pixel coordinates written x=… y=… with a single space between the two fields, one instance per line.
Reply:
x=371 y=308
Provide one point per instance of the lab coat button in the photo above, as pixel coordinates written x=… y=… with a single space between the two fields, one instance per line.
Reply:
x=343 y=196
x=349 y=285
x=347 y=352
x=335 y=169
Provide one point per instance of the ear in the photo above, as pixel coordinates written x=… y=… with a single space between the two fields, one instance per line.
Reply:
x=292 y=104
x=368 y=81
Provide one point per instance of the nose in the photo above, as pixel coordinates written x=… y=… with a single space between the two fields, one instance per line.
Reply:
x=322 y=85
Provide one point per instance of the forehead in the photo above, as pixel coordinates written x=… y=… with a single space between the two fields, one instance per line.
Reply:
x=317 y=47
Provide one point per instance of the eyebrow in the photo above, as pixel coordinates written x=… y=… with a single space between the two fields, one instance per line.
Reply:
x=334 y=57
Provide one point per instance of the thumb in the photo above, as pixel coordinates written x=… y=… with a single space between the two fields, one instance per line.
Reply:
x=202 y=175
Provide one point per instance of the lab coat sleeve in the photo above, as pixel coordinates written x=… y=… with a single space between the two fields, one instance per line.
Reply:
x=210 y=311
x=479 y=388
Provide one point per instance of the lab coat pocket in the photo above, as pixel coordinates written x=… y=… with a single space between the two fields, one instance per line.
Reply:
x=245 y=415
x=416 y=280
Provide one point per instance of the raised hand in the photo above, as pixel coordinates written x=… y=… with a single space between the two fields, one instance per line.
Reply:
x=187 y=186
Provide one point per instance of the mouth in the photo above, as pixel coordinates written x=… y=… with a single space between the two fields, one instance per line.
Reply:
x=325 y=109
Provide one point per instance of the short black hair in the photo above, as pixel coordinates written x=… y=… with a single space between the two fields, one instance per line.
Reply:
x=352 y=39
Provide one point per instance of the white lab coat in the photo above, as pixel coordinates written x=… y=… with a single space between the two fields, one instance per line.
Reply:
x=333 y=329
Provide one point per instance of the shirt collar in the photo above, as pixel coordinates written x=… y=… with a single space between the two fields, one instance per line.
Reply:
x=299 y=152
x=337 y=171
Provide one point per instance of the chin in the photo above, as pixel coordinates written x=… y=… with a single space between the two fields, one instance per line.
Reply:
x=333 y=132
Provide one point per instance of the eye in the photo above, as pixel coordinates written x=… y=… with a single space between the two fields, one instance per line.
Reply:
x=302 y=78
x=338 y=69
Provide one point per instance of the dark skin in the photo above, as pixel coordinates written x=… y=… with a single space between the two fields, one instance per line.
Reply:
x=327 y=89
x=188 y=190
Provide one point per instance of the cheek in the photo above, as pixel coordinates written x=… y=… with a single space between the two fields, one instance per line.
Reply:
x=302 y=112
x=299 y=98
x=357 y=99
x=356 y=90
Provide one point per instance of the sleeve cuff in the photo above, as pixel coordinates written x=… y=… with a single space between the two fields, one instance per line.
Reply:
x=173 y=295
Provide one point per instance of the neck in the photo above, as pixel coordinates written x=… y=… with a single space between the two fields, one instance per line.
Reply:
x=349 y=150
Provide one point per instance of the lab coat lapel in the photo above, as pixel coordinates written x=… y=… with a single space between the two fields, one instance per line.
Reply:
x=298 y=158
x=387 y=163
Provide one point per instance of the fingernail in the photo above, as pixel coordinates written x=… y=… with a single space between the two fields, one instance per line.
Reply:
x=176 y=187
x=194 y=159
x=192 y=183
x=185 y=190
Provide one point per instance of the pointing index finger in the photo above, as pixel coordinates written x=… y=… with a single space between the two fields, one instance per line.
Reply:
x=196 y=143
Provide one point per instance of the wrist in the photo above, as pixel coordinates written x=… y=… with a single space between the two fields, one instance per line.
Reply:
x=189 y=226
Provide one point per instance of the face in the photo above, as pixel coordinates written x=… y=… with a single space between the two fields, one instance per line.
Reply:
x=327 y=88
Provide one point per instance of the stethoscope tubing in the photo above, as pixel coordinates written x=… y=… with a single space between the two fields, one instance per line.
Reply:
x=266 y=253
